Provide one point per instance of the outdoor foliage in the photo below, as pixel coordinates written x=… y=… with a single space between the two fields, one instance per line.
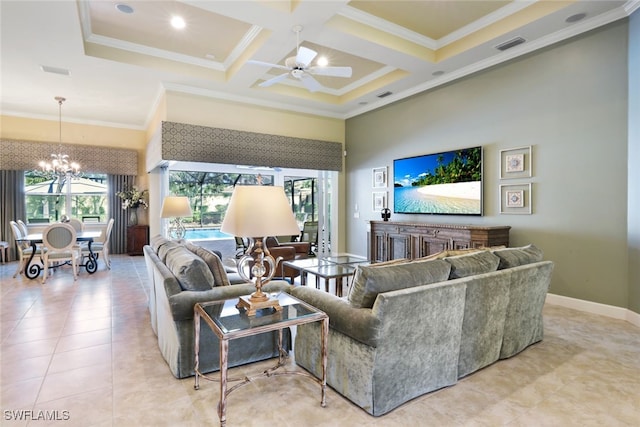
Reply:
x=50 y=202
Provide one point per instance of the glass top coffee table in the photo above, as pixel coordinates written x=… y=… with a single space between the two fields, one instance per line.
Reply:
x=338 y=267
x=229 y=323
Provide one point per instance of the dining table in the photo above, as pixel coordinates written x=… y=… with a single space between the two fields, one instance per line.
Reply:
x=33 y=269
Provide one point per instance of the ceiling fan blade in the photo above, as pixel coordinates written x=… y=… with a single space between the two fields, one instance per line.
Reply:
x=274 y=80
x=331 y=71
x=310 y=83
x=305 y=56
x=267 y=64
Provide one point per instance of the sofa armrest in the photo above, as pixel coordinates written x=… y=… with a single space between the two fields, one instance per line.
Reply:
x=182 y=303
x=357 y=323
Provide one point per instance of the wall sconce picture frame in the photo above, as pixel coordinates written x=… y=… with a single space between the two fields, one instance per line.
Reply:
x=515 y=199
x=379 y=200
x=380 y=177
x=515 y=163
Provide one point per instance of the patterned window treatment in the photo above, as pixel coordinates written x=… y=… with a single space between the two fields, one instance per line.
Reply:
x=119 y=233
x=12 y=206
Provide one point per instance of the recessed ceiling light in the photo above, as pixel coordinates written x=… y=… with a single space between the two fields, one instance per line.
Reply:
x=437 y=73
x=124 y=8
x=323 y=61
x=575 y=18
x=177 y=22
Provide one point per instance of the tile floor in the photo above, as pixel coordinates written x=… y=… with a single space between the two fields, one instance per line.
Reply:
x=83 y=352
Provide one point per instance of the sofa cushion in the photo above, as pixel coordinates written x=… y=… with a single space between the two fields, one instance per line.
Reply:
x=214 y=263
x=369 y=281
x=513 y=257
x=472 y=264
x=192 y=272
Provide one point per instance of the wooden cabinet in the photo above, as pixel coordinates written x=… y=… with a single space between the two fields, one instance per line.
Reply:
x=392 y=240
x=137 y=237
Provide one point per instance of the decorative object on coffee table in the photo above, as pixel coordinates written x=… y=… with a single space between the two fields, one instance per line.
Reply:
x=256 y=212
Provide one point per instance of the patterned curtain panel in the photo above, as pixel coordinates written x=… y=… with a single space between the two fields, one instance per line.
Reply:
x=192 y=143
x=119 y=233
x=11 y=205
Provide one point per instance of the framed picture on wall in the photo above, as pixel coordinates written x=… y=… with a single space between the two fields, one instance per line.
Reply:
x=515 y=198
x=379 y=200
x=515 y=163
x=380 y=177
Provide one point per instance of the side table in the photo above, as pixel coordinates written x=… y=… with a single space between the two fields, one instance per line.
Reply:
x=137 y=237
x=229 y=323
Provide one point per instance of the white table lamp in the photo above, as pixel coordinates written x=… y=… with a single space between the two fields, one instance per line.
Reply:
x=256 y=212
x=176 y=207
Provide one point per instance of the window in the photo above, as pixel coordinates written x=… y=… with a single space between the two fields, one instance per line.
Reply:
x=209 y=193
x=302 y=194
x=47 y=200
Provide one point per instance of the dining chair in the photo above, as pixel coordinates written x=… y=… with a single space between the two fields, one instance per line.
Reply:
x=4 y=249
x=76 y=224
x=23 y=227
x=23 y=247
x=59 y=241
x=101 y=245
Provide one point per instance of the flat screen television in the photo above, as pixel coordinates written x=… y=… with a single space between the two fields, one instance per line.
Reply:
x=448 y=183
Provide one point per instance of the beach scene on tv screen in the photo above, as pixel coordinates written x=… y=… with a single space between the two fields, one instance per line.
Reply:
x=442 y=183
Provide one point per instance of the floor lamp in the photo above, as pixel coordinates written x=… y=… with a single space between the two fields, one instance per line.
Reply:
x=256 y=212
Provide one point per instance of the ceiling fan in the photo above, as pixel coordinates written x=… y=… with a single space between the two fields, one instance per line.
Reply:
x=299 y=67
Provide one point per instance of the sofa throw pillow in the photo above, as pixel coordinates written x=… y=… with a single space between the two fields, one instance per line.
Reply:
x=513 y=257
x=472 y=264
x=164 y=249
x=369 y=281
x=214 y=263
x=190 y=270
x=156 y=241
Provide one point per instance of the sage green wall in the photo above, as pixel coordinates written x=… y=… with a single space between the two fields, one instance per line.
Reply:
x=634 y=161
x=570 y=103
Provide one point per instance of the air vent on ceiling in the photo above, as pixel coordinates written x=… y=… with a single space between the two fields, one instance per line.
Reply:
x=55 y=70
x=510 y=43
x=384 y=94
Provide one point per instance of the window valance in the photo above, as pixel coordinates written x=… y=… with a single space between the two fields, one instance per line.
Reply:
x=192 y=143
x=25 y=155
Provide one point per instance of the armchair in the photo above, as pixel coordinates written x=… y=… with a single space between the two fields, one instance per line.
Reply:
x=288 y=251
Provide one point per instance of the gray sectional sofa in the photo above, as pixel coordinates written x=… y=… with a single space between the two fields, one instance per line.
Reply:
x=409 y=328
x=182 y=274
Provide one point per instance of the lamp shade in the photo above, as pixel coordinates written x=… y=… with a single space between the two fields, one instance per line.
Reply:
x=259 y=211
x=175 y=207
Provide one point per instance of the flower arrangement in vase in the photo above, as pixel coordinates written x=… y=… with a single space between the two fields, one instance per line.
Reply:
x=133 y=198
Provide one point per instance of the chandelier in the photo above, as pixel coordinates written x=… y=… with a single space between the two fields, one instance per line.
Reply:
x=59 y=166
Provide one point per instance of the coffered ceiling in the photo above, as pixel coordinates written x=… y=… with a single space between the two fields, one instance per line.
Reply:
x=112 y=60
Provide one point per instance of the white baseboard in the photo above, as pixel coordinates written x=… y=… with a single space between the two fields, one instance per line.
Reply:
x=595 y=308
